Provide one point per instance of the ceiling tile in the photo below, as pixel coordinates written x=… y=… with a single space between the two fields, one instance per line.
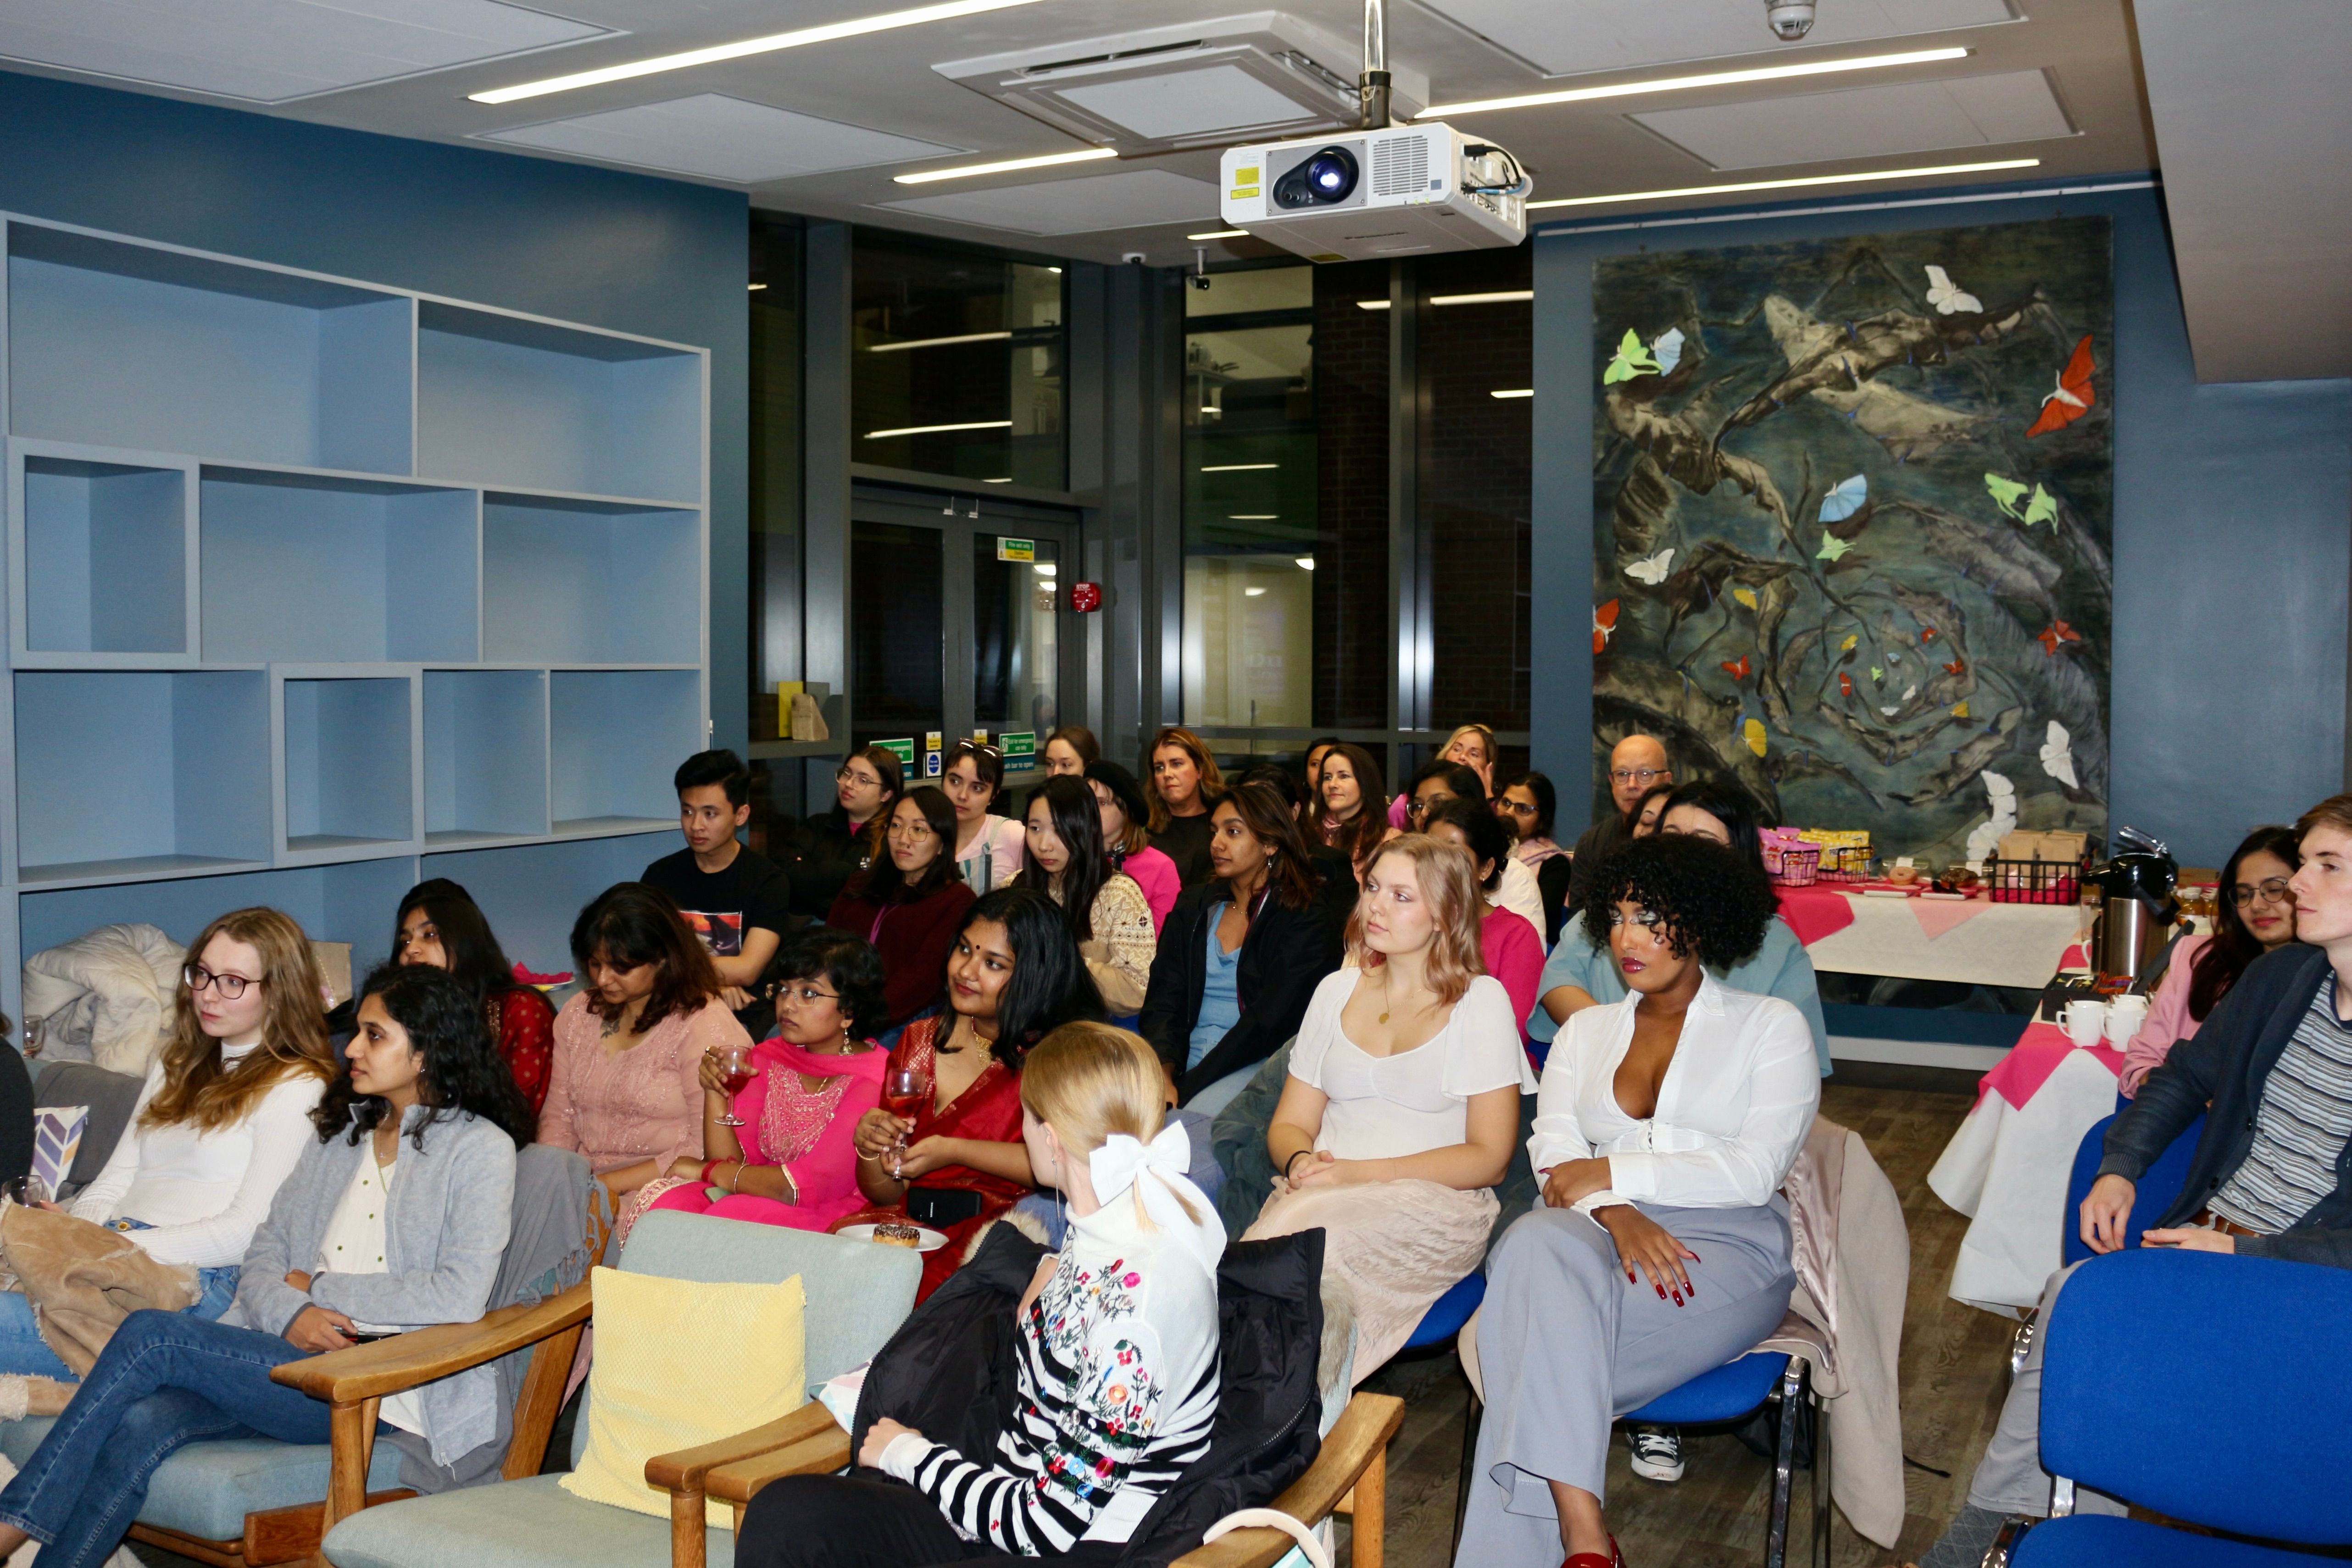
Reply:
x=1186 y=103
x=1571 y=38
x=1145 y=197
x=1866 y=122
x=720 y=138
x=272 y=51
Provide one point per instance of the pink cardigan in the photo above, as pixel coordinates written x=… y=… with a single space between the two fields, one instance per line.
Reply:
x=1514 y=955
x=2168 y=1022
x=643 y=1104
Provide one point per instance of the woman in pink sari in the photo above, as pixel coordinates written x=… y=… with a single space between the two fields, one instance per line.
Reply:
x=792 y=1162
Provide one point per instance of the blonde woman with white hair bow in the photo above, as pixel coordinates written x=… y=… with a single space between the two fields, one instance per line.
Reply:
x=1116 y=1350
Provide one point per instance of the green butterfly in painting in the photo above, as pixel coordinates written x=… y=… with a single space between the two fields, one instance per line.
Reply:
x=1631 y=360
x=2042 y=507
x=2006 y=493
x=1832 y=547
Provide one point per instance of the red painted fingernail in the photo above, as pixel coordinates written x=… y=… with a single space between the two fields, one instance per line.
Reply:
x=1662 y=1292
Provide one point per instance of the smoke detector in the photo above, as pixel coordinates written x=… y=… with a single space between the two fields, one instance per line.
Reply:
x=1265 y=75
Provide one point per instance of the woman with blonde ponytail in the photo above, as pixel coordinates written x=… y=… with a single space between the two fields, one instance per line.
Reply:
x=1115 y=1349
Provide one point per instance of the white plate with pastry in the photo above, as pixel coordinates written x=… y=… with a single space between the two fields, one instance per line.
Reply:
x=924 y=1239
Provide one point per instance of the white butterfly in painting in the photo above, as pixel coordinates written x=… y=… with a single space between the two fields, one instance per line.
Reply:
x=2058 y=756
x=1890 y=712
x=1909 y=692
x=1987 y=835
x=1948 y=297
x=1669 y=350
x=1651 y=570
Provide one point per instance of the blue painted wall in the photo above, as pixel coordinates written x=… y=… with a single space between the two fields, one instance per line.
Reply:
x=2233 y=535
x=635 y=254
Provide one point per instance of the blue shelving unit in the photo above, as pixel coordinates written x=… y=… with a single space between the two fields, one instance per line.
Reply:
x=317 y=587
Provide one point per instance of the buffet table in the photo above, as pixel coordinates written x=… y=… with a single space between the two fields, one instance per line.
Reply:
x=2008 y=1165
x=1974 y=942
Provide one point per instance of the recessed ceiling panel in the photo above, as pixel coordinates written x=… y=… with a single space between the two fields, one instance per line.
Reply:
x=1571 y=38
x=1866 y=122
x=1186 y=103
x=1137 y=200
x=719 y=138
x=272 y=51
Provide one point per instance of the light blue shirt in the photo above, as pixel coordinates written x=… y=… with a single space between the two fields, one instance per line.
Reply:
x=1779 y=969
x=1220 y=1004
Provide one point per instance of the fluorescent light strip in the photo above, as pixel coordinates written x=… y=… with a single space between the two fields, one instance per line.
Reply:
x=757 y=287
x=1684 y=83
x=1220 y=234
x=1515 y=391
x=1792 y=184
x=1502 y=297
x=935 y=429
x=1253 y=517
x=1238 y=467
x=936 y=342
x=739 y=49
x=1307 y=563
x=1372 y=304
x=1005 y=166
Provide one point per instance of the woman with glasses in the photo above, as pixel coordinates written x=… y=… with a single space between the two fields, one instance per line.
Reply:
x=1185 y=783
x=1528 y=806
x=988 y=848
x=908 y=905
x=786 y=1156
x=1471 y=746
x=2256 y=916
x=1440 y=781
x=848 y=838
x=1069 y=752
x=220 y=1122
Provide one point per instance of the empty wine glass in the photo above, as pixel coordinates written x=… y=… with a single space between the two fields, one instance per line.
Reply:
x=35 y=1032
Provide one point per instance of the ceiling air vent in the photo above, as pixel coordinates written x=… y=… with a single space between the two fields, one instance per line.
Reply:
x=1195 y=84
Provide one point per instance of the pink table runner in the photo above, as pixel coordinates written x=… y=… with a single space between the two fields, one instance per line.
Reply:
x=2036 y=1055
x=1816 y=912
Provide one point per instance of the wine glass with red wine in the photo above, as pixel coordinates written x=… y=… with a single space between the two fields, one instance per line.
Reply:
x=736 y=1072
x=903 y=1090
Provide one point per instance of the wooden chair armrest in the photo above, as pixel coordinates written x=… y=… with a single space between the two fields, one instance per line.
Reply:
x=1356 y=1445
x=739 y=1482
x=422 y=1355
x=685 y=1470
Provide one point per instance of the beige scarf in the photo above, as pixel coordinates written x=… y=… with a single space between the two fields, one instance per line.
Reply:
x=83 y=1280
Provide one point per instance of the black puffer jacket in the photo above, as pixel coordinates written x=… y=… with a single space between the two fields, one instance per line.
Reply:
x=948 y=1372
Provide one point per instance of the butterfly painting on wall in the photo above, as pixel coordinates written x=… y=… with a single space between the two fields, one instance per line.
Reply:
x=1863 y=484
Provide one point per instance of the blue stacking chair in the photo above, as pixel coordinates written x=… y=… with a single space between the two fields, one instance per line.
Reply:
x=1437 y=1328
x=2156 y=1190
x=2244 y=1426
x=1735 y=1390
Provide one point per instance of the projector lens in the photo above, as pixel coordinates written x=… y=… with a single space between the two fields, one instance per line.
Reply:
x=1331 y=174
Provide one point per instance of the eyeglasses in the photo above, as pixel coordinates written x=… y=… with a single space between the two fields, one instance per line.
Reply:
x=915 y=830
x=805 y=993
x=851 y=776
x=231 y=986
x=2273 y=891
x=1415 y=807
x=1636 y=775
x=1514 y=808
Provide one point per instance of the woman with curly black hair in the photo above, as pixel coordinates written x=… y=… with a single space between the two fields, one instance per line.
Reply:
x=1664 y=1125
x=348 y=1253
x=787 y=1158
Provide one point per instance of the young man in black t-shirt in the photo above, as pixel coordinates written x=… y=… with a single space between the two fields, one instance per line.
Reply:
x=737 y=899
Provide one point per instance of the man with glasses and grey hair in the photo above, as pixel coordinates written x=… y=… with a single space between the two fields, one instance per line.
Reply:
x=1637 y=765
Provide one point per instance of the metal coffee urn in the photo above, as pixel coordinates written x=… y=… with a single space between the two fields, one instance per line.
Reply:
x=2138 y=914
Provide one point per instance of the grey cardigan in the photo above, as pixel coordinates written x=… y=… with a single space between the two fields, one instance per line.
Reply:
x=452 y=1204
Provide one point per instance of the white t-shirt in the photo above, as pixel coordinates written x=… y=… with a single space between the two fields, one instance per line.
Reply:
x=205 y=1193
x=1518 y=893
x=353 y=1244
x=1384 y=1107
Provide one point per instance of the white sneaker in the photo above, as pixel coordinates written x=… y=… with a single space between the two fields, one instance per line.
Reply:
x=1657 y=1452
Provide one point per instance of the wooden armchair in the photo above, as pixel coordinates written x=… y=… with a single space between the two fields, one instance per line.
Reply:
x=1349 y=1476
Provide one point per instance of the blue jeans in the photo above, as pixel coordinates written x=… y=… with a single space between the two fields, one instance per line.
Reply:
x=25 y=1352
x=165 y=1380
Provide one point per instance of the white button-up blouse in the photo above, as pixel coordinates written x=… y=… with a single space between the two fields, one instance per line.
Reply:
x=1734 y=1108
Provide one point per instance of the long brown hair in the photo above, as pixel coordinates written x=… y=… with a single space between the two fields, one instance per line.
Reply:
x=869 y=841
x=1358 y=838
x=1449 y=881
x=1212 y=782
x=2217 y=966
x=200 y=1090
x=1268 y=817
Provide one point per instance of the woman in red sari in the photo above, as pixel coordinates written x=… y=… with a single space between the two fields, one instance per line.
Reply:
x=1014 y=977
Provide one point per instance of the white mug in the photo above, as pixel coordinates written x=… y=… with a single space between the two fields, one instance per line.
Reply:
x=2085 y=1019
x=2125 y=1016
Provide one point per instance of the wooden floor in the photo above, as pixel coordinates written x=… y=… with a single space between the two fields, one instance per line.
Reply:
x=1953 y=1377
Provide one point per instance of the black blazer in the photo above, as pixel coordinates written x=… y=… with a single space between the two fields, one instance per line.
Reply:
x=2227 y=1063
x=1285 y=956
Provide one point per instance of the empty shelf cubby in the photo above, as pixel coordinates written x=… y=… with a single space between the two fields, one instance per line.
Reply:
x=349 y=901
x=134 y=345
x=105 y=562
x=485 y=755
x=124 y=773
x=315 y=568
x=349 y=783
x=574 y=582
x=506 y=400
x=617 y=737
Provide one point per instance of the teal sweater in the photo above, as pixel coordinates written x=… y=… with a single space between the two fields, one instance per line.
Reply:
x=1779 y=969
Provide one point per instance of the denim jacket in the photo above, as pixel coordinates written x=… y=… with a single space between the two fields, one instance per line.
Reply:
x=452 y=1203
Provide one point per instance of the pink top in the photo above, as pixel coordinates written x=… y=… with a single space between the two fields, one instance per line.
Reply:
x=2168 y=1022
x=1514 y=955
x=808 y=1132
x=1158 y=877
x=644 y=1103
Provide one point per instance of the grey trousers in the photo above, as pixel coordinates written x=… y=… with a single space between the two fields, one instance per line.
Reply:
x=2009 y=1478
x=1565 y=1346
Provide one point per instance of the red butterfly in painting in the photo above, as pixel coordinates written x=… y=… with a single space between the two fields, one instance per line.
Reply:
x=1737 y=669
x=1845 y=684
x=2070 y=399
x=1926 y=633
x=1604 y=621
x=2054 y=635
x=1956 y=666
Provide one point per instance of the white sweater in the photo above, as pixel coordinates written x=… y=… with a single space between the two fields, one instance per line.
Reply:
x=205 y=1193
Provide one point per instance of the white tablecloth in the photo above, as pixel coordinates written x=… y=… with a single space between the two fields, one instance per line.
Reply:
x=2007 y=1168
x=2007 y=944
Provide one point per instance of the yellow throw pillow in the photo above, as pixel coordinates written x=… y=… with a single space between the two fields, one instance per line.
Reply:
x=679 y=1363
